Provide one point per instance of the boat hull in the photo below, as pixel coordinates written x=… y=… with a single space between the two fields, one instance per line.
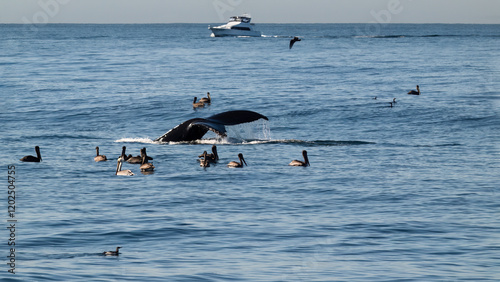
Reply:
x=221 y=32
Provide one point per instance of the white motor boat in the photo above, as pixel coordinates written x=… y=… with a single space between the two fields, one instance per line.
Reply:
x=237 y=26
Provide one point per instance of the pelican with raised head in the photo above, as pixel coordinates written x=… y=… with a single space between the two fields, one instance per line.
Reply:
x=301 y=163
x=213 y=157
x=238 y=164
x=125 y=157
x=413 y=92
x=146 y=166
x=33 y=159
x=204 y=162
x=198 y=104
x=119 y=170
x=147 y=157
x=206 y=100
x=112 y=253
x=136 y=159
x=99 y=158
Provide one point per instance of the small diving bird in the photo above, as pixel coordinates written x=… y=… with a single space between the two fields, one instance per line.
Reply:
x=198 y=104
x=413 y=92
x=146 y=166
x=204 y=162
x=236 y=164
x=213 y=157
x=99 y=158
x=119 y=170
x=112 y=253
x=295 y=39
x=301 y=163
x=33 y=159
x=206 y=100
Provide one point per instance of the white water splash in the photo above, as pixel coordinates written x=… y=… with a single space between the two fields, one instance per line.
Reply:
x=136 y=140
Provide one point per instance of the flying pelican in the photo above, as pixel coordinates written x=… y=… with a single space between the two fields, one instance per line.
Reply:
x=206 y=100
x=413 y=92
x=99 y=158
x=33 y=159
x=236 y=164
x=112 y=253
x=301 y=163
x=119 y=170
x=295 y=39
x=198 y=104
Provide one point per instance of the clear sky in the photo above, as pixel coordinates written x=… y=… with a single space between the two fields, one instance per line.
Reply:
x=262 y=11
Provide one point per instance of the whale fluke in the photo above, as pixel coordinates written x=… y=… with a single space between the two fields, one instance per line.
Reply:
x=196 y=128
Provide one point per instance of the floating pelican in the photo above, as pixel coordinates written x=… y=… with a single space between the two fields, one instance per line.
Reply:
x=236 y=164
x=413 y=92
x=198 y=104
x=33 y=159
x=146 y=166
x=112 y=253
x=136 y=159
x=301 y=163
x=125 y=157
x=206 y=100
x=204 y=162
x=147 y=157
x=99 y=158
x=119 y=170
x=213 y=157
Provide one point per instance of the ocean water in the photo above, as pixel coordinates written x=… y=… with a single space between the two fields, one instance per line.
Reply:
x=402 y=193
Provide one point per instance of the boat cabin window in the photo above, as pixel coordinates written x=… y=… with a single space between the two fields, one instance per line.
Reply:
x=240 y=28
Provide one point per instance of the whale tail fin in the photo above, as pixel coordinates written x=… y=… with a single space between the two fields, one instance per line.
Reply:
x=194 y=129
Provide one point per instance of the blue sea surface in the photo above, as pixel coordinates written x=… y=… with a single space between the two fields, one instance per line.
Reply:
x=401 y=193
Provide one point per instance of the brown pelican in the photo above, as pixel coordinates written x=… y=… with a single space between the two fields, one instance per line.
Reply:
x=125 y=157
x=112 y=253
x=147 y=157
x=204 y=162
x=236 y=164
x=198 y=104
x=119 y=170
x=145 y=166
x=206 y=100
x=33 y=159
x=295 y=39
x=136 y=159
x=301 y=163
x=213 y=157
x=99 y=158
x=413 y=92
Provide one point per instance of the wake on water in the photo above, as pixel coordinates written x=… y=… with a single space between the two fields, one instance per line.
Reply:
x=252 y=133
